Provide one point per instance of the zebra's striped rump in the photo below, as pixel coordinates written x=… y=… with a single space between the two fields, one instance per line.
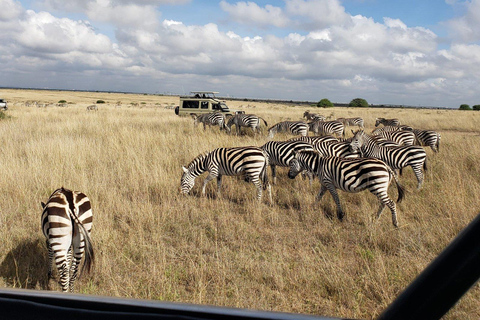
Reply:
x=350 y=175
x=248 y=161
x=245 y=120
x=293 y=127
x=428 y=138
x=327 y=128
x=66 y=225
x=211 y=119
x=387 y=122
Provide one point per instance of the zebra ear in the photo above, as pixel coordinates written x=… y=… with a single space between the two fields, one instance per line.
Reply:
x=184 y=169
x=43 y=205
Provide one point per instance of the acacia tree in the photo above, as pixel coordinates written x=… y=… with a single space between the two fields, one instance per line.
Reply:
x=464 y=107
x=359 y=103
x=324 y=103
x=476 y=107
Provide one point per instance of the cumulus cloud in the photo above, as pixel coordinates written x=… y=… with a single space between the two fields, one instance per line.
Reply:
x=465 y=28
x=251 y=13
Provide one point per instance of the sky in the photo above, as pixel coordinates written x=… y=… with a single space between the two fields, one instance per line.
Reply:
x=411 y=52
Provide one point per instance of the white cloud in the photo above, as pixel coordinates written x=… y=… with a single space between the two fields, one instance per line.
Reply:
x=465 y=28
x=251 y=13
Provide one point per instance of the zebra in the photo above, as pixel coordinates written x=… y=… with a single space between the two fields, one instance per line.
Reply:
x=387 y=122
x=294 y=127
x=391 y=128
x=280 y=153
x=313 y=116
x=327 y=127
x=352 y=122
x=428 y=138
x=93 y=107
x=406 y=138
x=315 y=139
x=211 y=119
x=338 y=149
x=245 y=120
x=350 y=175
x=249 y=161
x=395 y=157
x=66 y=224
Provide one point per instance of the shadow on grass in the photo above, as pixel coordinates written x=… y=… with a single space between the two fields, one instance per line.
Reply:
x=25 y=266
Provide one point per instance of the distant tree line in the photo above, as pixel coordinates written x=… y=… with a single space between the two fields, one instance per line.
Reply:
x=357 y=103
x=467 y=107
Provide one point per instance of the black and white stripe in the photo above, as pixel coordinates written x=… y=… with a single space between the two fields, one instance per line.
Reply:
x=248 y=161
x=245 y=120
x=315 y=139
x=66 y=224
x=391 y=128
x=405 y=138
x=313 y=116
x=211 y=119
x=387 y=122
x=350 y=175
x=357 y=121
x=280 y=153
x=336 y=149
x=327 y=128
x=293 y=127
x=395 y=157
x=428 y=138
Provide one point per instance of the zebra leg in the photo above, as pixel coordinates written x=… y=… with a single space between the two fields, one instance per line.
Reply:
x=393 y=209
x=79 y=248
x=333 y=192
x=274 y=174
x=207 y=179
x=219 y=185
x=50 y=260
x=417 y=169
x=258 y=184
x=321 y=193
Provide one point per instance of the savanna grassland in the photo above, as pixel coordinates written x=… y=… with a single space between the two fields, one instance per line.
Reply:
x=153 y=243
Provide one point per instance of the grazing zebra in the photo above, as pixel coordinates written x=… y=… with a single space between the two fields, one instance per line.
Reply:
x=245 y=120
x=294 y=127
x=352 y=122
x=392 y=128
x=66 y=224
x=338 y=149
x=211 y=119
x=313 y=116
x=428 y=138
x=350 y=175
x=405 y=138
x=387 y=122
x=93 y=107
x=395 y=157
x=327 y=127
x=280 y=153
x=249 y=161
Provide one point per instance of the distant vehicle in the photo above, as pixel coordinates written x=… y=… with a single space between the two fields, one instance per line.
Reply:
x=200 y=102
x=3 y=104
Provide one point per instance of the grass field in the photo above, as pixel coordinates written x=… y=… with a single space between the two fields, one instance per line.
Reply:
x=153 y=243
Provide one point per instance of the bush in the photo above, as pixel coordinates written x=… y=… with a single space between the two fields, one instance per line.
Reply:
x=62 y=101
x=464 y=107
x=324 y=103
x=358 y=103
x=100 y=101
x=476 y=107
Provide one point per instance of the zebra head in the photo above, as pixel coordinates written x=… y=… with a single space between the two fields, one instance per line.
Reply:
x=272 y=131
x=358 y=140
x=295 y=168
x=187 y=181
x=378 y=121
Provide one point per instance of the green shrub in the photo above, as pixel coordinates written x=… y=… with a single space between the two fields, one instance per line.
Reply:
x=62 y=101
x=100 y=101
x=324 y=103
x=476 y=107
x=358 y=103
x=464 y=107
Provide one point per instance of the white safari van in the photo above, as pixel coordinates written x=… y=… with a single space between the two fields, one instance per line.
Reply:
x=201 y=102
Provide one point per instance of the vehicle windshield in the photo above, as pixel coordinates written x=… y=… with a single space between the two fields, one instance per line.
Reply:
x=224 y=107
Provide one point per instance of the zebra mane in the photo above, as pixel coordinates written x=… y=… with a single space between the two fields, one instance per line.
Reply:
x=200 y=158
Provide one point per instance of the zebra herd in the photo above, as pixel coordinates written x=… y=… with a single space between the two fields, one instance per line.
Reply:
x=362 y=162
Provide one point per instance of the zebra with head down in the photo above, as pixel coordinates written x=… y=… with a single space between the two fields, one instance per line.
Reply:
x=245 y=120
x=211 y=119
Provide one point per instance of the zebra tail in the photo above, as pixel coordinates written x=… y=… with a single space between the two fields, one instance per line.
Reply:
x=400 y=188
x=266 y=125
x=89 y=254
x=438 y=142
x=425 y=164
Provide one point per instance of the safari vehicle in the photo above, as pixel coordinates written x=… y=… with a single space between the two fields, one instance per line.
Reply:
x=200 y=102
x=3 y=104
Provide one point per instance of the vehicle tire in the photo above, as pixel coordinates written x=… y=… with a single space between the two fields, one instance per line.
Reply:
x=177 y=109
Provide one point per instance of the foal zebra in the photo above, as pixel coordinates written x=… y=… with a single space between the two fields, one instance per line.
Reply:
x=350 y=175
x=249 y=161
x=428 y=138
x=395 y=157
x=313 y=116
x=294 y=127
x=66 y=224
x=280 y=153
x=211 y=119
x=387 y=122
x=327 y=127
x=352 y=122
x=245 y=120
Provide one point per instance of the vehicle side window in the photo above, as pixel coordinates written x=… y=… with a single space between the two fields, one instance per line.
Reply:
x=216 y=106
x=191 y=104
x=204 y=104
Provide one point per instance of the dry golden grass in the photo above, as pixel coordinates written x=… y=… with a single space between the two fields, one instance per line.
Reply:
x=152 y=243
